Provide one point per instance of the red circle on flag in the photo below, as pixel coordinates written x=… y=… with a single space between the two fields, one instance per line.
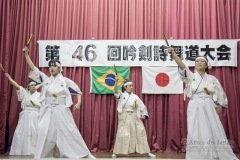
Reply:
x=162 y=79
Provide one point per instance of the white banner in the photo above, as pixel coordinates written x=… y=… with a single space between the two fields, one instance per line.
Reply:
x=72 y=53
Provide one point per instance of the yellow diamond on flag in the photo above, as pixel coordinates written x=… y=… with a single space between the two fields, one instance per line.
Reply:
x=103 y=78
x=108 y=80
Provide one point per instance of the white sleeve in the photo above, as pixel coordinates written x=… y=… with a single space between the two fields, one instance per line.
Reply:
x=117 y=95
x=142 y=108
x=21 y=93
x=219 y=96
x=185 y=75
x=72 y=86
x=37 y=75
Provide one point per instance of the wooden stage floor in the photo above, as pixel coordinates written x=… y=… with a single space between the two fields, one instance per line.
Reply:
x=108 y=155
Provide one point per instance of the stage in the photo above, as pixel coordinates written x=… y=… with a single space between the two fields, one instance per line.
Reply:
x=108 y=155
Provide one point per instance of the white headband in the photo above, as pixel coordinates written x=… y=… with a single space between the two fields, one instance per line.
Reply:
x=31 y=83
x=203 y=58
x=59 y=65
x=128 y=83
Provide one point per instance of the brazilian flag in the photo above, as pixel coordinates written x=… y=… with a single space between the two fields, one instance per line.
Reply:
x=103 y=79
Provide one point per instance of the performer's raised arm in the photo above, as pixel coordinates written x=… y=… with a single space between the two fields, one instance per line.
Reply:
x=29 y=61
x=14 y=83
x=176 y=58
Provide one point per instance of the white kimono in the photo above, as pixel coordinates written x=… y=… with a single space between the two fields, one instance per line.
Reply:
x=25 y=135
x=131 y=135
x=206 y=137
x=56 y=126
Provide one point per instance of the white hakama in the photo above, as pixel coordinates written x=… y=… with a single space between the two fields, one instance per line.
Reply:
x=25 y=135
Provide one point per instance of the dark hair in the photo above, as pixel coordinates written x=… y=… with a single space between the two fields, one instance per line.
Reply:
x=53 y=62
x=125 y=81
x=31 y=80
x=206 y=70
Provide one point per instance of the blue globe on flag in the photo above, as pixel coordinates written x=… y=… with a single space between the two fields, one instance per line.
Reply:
x=110 y=79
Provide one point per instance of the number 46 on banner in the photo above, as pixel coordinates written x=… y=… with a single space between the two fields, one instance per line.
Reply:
x=89 y=53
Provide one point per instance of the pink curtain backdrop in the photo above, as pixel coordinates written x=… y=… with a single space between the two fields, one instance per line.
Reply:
x=117 y=19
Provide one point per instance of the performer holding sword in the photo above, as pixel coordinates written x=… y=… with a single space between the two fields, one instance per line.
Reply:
x=25 y=135
x=131 y=135
x=206 y=138
x=56 y=127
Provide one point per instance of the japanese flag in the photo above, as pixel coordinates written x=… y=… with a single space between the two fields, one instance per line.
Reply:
x=161 y=80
